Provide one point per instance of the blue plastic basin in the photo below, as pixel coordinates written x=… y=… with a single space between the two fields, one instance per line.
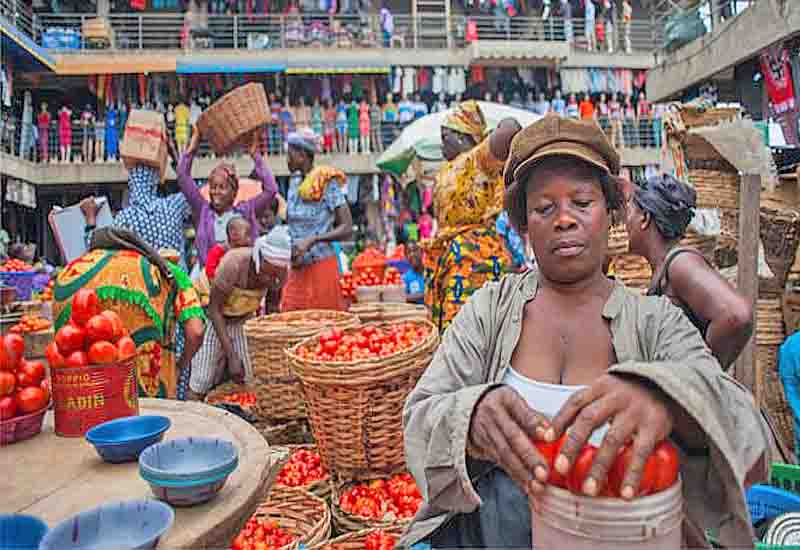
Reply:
x=123 y=439
x=187 y=459
x=20 y=532
x=129 y=525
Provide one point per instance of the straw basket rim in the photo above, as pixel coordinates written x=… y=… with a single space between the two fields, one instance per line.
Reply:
x=359 y=537
x=354 y=523
x=278 y=505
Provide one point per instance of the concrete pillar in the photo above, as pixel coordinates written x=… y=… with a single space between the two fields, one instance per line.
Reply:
x=103 y=7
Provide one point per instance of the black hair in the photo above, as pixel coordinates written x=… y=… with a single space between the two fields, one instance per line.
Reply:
x=233 y=222
x=516 y=196
x=669 y=202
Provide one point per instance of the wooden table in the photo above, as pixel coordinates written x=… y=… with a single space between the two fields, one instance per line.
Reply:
x=55 y=477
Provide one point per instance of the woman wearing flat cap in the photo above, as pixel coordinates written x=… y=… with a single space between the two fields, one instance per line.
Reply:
x=657 y=216
x=318 y=215
x=468 y=197
x=636 y=369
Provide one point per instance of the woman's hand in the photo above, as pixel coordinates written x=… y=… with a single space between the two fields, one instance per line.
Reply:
x=502 y=431
x=636 y=411
x=236 y=368
x=89 y=209
x=302 y=248
x=194 y=144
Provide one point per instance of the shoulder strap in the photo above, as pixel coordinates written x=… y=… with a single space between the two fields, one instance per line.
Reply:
x=671 y=257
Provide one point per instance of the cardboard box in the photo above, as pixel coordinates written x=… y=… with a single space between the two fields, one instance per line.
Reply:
x=145 y=141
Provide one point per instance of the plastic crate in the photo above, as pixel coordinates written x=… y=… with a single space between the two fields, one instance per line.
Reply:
x=21 y=280
x=767 y=502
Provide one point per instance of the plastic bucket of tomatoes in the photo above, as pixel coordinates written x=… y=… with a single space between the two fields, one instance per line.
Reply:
x=385 y=503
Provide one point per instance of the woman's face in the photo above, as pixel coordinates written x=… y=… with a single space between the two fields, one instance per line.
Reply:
x=635 y=224
x=568 y=223
x=296 y=159
x=221 y=192
x=454 y=143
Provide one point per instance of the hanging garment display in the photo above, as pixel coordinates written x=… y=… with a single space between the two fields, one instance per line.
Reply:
x=778 y=77
x=397 y=84
x=409 y=80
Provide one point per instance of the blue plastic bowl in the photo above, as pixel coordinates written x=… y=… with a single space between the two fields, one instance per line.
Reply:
x=187 y=459
x=129 y=525
x=123 y=439
x=189 y=493
x=20 y=532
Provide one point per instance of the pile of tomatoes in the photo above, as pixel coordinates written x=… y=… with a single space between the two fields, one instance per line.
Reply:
x=348 y=286
x=47 y=294
x=367 y=342
x=378 y=540
x=259 y=534
x=660 y=471
x=24 y=388
x=244 y=399
x=380 y=499
x=392 y=277
x=369 y=277
x=30 y=323
x=303 y=468
x=399 y=253
x=91 y=337
x=15 y=266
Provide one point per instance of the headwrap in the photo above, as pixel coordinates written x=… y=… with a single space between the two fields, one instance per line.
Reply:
x=275 y=247
x=670 y=202
x=316 y=182
x=467 y=118
x=304 y=139
x=227 y=171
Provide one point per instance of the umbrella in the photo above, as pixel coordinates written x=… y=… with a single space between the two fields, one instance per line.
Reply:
x=248 y=189
x=422 y=138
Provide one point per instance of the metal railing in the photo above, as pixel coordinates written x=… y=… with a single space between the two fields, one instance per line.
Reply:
x=683 y=25
x=319 y=30
x=20 y=14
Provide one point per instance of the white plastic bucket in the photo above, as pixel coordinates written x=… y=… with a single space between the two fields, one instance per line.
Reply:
x=561 y=519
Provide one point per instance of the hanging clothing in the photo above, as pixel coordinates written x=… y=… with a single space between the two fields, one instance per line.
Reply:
x=112 y=135
x=65 y=127
x=409 y=80
x=397 y=83
x=439 y=80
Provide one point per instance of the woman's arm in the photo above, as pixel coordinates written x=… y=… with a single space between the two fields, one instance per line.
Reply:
x=342 y=230
x=220 y=290
x=263 y=201
x=185 y=180
x=712 y=298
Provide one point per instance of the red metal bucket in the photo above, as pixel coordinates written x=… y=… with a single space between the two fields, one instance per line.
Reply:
x=84 y=397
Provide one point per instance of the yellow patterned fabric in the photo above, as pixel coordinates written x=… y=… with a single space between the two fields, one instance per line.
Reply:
x=313 y=186
x=467 y=118
x=128 y=284
x=243 y=302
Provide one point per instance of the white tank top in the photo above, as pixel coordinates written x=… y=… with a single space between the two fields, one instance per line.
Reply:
x=547 y=399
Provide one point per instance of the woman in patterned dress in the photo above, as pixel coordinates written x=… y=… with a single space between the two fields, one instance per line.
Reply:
x=468 y=196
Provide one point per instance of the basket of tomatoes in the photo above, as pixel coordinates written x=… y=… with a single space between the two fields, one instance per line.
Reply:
x=24 y=392
x=280 y=395
x=304 y=470
x=289 y=518
x=93 y=368
x=385 y=503
x=356 y=382
x=37 y=333
x=366 y=539
x=231 y=393
x=20 y=275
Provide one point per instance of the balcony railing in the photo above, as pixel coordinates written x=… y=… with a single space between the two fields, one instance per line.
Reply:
x=681 y=26
x=319 y=30
x=20 y=14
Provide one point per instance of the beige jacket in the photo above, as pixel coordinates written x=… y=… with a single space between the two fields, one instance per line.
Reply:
x=652 y=339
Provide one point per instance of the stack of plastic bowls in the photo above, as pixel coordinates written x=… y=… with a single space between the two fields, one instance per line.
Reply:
x=21 y=532
x=123 y=439
x=188 y=471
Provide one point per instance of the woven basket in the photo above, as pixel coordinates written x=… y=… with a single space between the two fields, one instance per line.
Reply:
x=634 y=271
x=321 y=488
x=794 y=270
x=299 y=513
x=770 y=392
x=345 y=522
x=218 y=395
x=770 y=330
x=780 y=234
x=693 y=117
x=280 y=395
x=355 y=540
x=715 y=189
x=356 y=407
x=618 y=243
x=291 y=432
x=389 y=312
x=233 y=116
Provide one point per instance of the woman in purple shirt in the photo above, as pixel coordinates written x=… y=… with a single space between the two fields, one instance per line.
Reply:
x=212 y=216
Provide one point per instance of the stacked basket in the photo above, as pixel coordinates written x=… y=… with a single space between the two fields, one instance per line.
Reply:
x=634 y=271
x=780 y=235
x=694 y=117
x=770 y=334
x=234 y=116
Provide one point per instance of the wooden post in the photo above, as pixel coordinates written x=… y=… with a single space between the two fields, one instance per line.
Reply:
x=747 y=277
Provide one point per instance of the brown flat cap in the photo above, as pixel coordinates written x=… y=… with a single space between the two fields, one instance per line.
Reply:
x=554 y=135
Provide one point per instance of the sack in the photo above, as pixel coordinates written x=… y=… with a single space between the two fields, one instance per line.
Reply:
x=145 y=141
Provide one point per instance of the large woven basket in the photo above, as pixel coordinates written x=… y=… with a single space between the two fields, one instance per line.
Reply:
x=298 y=512
x=285 y=432
x=356 y=540
x=634 y=271
x=321 y=488
x=770 y=334
x=693 y=117
x=387 y=312
x=780 y=234
x=345 y=522
x=280 y=395
x=234 y=116
x=618 y=243
x=715 y=188
x=771 y=397
x=356 y=408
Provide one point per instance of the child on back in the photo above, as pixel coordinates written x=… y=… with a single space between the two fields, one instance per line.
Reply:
x=238 y=231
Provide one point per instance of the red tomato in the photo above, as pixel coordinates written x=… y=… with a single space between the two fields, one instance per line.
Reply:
x=549 y=452
x=85 y=305
x=14 y=345
x=666 y=456
x=126 y=347
x=70 y=338
x=330 y=346
x=53 y=356
x=45 y=385
x=99 y=328
x=581 y=468
x=617 y=475
x=6 y=363
x=102 y=352
x=8 y=383
x=31 y=400
x=34 y=370
x=24 y=380
x=76 y=359
x=116 y=323
x=8 y=407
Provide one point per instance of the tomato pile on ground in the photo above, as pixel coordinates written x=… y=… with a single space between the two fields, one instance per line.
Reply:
x=241 y=398
x=24 y=388
x=392 y=277
x=303 y=468
x=15 y=266
x=259 y=534
x=660 y=471
x=369 y=277
x=30 y=323
x=91 y=337
x=47 y=294
x=380 y=499
x=348 y=286
x=367 y=342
